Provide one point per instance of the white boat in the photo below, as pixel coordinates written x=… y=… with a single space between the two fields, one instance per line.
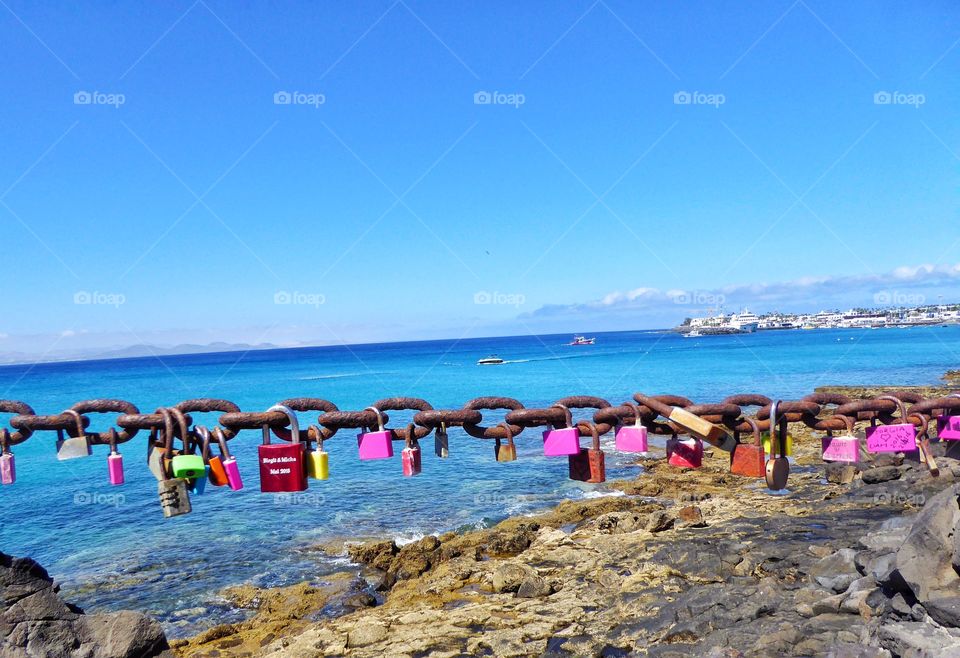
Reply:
x=580 y=340
x=692 y=334
x=492 y=360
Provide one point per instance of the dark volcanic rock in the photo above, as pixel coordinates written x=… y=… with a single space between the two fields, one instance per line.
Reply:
x=34 y=621
x=881 y=474
x=925 y=561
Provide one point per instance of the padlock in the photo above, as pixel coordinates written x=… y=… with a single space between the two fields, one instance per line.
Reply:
x=778 y=468
x=410 y=455
x=685 y=453
x=505 y=453
x=896 y=437
x=948 y=427
x=844 y=448
x=770 y=448
x=174 y=498
x=589 y=464
x=73 y=447
x=114 y=460
x=631 y=438
x=156 y=455
x=187 y=464
x=230 y=466
x=562 y=442
x=282 y=465
x=8 y=467
x=318 y=461
x=749 y=460
x=201 y=435
x=375 y=444
x=441 y=442
x=696 y=426
x=216 y=473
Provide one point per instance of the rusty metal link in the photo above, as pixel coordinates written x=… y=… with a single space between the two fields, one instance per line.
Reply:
x=405 y=404
x=794 y=411
x=20 y=409
x=338 y=420
x=503 y=430
x=726 y=414
x=314 y=433
x=542 y=417
x=105 y=406
x=58 y=422
x=743 y=424
x=587 y=402
x=210 y=405
x=934 y=405
x=835 y=422
x=449 y=417
x=253 y=420
x=622 y=414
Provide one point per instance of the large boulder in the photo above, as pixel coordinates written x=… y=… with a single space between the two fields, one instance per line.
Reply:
x=35 y=621
x=925 y=561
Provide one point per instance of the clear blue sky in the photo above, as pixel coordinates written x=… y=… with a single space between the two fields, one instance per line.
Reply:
x=398 y=201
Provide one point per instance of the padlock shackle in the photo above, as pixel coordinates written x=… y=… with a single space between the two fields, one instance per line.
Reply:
x=568 y=417
x=167 y=441
x=73 y=413
x=294 y=424
x=221 y=438
x=112 y=440
x=379 y=417
x=411 y=440
x=203 y=434
x=592 y=429
x=183 y=427
x=755 y=428
x=901 y=407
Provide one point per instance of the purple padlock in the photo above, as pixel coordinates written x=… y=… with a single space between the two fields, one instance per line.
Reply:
x=900 y=437
x=631 y=438
x=378 y=444
x=948 y=428
x=840 y=449
x=114 y=460
x=562 y=442
x=8 y=468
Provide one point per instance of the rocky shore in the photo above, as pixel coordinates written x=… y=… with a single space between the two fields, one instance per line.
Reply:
x=851 y=562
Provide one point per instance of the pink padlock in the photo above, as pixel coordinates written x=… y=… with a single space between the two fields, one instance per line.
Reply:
x=378 y=444
x=564 y=441
x=685 y=453
x=899 y=437
x=114 y=460
x=948 y=428
x=410 y=456
x=632 y=438
x=845 y=448
x=8 y=468
x=230 y=467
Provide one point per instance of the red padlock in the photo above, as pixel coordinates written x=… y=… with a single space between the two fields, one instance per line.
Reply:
x=282 y=465
x=687 y=453
x=589 y=465
x=749 y=460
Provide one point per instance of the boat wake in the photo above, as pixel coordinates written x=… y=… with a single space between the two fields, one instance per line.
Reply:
x=343 y=375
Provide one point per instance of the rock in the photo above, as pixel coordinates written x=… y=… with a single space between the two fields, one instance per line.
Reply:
x=509 y=576
x=378 y=555
x=36 y=622
x=840 y=473
x=619 y=522
x=829 y=605
x=659 y=521
x=366 y=633
x=945 y=610
x=882 y=474
x=690 y=517
x=887 y=459
x=836 y=571
x=533 y=587
x=917 y=639
x=925 y=561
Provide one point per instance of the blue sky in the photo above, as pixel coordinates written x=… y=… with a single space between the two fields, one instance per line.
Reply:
x=155 y=188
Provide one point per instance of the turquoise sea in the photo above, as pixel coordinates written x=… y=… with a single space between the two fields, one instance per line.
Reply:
x=111 y=548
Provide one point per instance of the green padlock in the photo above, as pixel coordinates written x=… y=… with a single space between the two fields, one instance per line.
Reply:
x=185 y=465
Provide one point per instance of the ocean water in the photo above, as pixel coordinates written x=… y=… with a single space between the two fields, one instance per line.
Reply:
x=111 y=548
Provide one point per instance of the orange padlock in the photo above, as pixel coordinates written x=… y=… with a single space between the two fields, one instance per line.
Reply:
x=749 y=460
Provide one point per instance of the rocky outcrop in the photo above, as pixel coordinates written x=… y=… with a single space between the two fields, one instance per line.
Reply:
x=35 y=622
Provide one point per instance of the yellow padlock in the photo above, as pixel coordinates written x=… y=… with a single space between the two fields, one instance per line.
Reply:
x=766 y=445
x=318 y=464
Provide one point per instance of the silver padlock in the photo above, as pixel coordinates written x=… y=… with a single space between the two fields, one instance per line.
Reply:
x=441 y=443
x=73 y=447
x=174 y=497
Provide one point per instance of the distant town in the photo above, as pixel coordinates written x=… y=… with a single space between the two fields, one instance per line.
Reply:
x=857 y=318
